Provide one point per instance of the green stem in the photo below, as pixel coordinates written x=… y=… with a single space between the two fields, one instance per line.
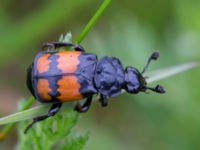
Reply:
x=92 y=21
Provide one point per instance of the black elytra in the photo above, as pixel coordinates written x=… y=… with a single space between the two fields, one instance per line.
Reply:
x=105 y=76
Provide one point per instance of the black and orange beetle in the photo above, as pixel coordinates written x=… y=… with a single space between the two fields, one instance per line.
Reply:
x=58 y=76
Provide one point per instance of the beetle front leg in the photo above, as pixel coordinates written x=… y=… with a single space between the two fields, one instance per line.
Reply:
x=85 y=106
x=52 y=111
x=104 y=100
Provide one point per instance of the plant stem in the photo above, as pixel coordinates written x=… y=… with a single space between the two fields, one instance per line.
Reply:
x=92 y=21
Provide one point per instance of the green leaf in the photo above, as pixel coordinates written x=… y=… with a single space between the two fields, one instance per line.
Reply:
x=24 y=115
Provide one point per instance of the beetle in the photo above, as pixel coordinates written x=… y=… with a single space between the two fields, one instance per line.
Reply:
x=57 y=76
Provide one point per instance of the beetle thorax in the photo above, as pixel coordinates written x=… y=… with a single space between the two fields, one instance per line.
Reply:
x=109 y=76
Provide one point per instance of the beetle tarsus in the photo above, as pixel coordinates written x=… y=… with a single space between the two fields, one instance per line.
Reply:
x=52 y=111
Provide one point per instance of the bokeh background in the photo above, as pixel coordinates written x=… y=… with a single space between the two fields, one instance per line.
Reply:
x=130 y=30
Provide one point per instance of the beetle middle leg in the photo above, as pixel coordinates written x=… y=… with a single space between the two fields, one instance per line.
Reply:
x=52 y=111
x=104 y=100
x=85 y=106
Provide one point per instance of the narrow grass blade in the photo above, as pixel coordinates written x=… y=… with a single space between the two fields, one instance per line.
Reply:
x=5 y=131
x=24 y=115
x=167 y=72
x=28 y=114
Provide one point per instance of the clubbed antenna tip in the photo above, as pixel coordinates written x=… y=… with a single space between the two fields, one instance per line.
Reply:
x=159 y=89
x=155 y=55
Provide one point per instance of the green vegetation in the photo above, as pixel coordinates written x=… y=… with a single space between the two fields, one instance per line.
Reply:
x=130 y=31
x=57 y=133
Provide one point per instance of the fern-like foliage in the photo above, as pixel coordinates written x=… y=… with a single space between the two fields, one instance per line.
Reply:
x=53 y=133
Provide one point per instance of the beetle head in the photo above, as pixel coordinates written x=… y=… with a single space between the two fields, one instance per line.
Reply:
x=135 y=82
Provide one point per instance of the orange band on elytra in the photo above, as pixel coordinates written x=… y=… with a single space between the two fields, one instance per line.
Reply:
x=44 y=89
x=43 y=63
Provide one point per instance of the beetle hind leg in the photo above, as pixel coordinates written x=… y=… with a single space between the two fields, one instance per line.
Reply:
x=52 y=111
x=54 y=45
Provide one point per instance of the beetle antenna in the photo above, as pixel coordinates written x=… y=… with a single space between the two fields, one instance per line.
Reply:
x=154 y=56
x=157 y=89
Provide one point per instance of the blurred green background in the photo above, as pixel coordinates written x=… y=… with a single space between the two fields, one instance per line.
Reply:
x=131 y=31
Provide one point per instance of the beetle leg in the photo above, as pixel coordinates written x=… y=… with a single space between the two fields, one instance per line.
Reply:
x=62 y=44
x=53 y=45
x=52 y=111
x=103 y=99
x=85 y=106
x=79 y=48
x=48 y=46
